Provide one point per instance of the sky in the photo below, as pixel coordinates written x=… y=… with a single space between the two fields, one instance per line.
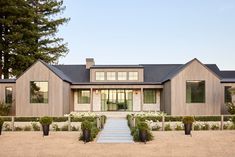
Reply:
x=150 y=31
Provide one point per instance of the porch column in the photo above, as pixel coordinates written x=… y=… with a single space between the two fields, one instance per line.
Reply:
x=142 y=99
x=91 y=99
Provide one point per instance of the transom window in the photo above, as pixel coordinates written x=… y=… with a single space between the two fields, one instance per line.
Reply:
x=38 y=92
x=111 y=75
x=149 y=96
x=227 y=94
x=133 y=76
x=84 y=96
x=122 y=76
x=195 y=91
x=99 y=76
x=8 y=95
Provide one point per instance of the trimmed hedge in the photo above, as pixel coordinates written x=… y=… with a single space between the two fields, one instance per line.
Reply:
x=81 y=119
x=59 y=119
x=27 y=119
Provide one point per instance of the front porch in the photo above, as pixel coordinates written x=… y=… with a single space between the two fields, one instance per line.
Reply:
x=116 y=99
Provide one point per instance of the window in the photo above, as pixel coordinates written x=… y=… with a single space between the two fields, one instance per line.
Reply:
x=99 y=76
x=83 y=96
x=111 y=76
x=195 y=91
x=122 y=76
x=38 y=92
x=149 y=96
x=227 y=94
x=133 y=75
x=8 y=95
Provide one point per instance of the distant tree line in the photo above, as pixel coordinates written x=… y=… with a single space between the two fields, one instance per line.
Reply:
x=28 y=32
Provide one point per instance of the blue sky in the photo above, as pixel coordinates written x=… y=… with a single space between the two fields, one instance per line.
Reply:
x=150 y=31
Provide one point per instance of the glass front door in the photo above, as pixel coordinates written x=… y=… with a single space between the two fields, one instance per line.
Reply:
x=116 y=100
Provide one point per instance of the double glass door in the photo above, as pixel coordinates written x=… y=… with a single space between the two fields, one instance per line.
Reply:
x=116 y=100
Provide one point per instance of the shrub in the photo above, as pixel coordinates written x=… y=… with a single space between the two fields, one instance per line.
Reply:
x=173 y=119
x=197 y=127
x=226 y=126
x=167 y=127
x=232 y=127
x=26 y=119
x=141 y=126
x=45 y=120
x=4 y=109
x=1 y=121
x=179 y=127
x=230 y=107
x=207 y=118
x=7 y=127
x=214 y=127
x=188 y=120
x=60 y=119
x=205 y=126
x=156 y=128
x=74 y=128
x=55 y=127
x=94 y=132
x=233 y=120
x=27 y=128
x=65 y=128
x=81 y=119
x=86 y=125
x=35 y=126
x=17 y=128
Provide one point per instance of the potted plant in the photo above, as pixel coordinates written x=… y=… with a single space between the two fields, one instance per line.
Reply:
x=1 y=124
x=188 y=121
x=143 y=131
x=45 y=122
x=86 y=130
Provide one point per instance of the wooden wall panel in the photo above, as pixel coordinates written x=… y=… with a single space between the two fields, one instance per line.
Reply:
x=39 y=72
x=196 y=71
x=223 y=106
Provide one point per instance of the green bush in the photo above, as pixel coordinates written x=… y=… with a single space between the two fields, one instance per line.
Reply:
x=7 y=127
x=152 y=118
x=60 y=119
x=81 y=119
x=230 y=107
x=55 y=127
x=45 y=120
x=86 y=125
x=188 y=120
x=74 y=128
x=141 y=126
x=232 y=127
x=214 y=127
x=5 y=109
x=27 y=119
x=156 y=128
x=35 y=126
x=27 y=128
x=65 y=128
x=18 y=128
x=197 y=127
x=173 y=119
x=205 y=126
x=167 y=127
x=226 y=126
x=178 y=127
x=6 y=119
x=207 y=118
x=1 y=121
x=233 y=120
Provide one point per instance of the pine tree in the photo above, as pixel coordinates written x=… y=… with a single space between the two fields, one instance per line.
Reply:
x=28 y=32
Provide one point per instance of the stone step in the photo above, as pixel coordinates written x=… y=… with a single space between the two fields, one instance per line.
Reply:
x=114 y=141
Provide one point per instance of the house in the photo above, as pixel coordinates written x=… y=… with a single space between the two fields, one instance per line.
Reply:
x=193 y=88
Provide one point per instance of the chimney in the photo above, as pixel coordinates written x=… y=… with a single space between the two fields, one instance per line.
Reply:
x=89 y=62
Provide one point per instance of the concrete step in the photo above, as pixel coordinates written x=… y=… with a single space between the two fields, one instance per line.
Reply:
x=115 y=131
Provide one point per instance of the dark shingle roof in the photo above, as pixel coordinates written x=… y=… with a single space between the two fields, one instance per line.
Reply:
x=227 y=76
x=76 y=73
x=7 y=80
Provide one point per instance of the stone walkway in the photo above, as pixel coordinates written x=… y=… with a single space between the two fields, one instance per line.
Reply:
x=115 y=130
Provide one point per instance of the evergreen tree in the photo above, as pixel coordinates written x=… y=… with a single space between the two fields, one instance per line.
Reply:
x=28 y=32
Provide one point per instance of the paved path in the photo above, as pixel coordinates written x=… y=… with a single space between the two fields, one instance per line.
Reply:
x=115 y=130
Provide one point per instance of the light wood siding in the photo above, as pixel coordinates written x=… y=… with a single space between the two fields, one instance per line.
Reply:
x=166 y=97
x=39 y=72
x=2 y=95
x=213 y=96
x=223 y=106
x=66 y=97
